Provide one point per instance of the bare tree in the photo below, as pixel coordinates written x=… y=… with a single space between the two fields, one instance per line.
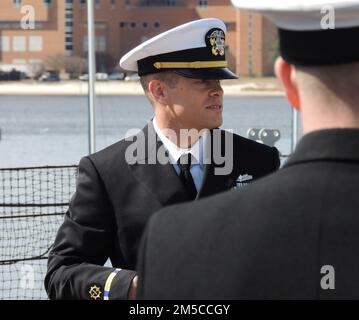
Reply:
x=55 y=62
x=36 y=69
x=73 y=65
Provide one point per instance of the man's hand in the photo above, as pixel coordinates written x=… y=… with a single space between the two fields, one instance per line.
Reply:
x=132 y=290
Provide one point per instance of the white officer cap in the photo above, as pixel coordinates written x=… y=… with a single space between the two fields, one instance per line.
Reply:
x=315 y=32
x=195 y=49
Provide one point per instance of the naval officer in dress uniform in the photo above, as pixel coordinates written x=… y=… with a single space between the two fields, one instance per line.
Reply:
x=293 y=234
x=176 y=158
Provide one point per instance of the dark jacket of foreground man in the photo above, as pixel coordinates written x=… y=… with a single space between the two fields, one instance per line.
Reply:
x=291 y=235
x=113 y=202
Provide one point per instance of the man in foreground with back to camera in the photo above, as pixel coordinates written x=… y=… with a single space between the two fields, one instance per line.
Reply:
x=293 y=234
x=119 y=188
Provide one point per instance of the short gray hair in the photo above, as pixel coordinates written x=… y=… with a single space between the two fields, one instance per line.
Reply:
x=168 y=77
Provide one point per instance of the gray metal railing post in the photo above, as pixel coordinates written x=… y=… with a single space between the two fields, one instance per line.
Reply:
x=91 y=73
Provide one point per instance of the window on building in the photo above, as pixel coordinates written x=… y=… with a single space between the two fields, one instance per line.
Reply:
x=16 y=25
x=133 y=25
x=203 y=3
x=230 y=25
x=18 y=61
x=69 y=24
x=82 y=3
x=122 y=24
x=69 y=39
x=156 y=24
x=97 y=4
x=35 y=61
x=100 y=44
x=249 y=34
x=144 y=24
x=85 y=43
x=18 y=43
x=156 y=3
x=35 y=43
x=4 y=44
x=17 y=3
x=113 y=3
x=48 y=2
x=99 y=25
x=5 y=25
x=69 y=47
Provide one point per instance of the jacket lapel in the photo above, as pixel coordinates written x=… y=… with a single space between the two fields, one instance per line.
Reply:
x=160 y=179
x=212 y=182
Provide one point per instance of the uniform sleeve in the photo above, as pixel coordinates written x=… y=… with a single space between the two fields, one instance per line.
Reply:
x=141 y=262
x=83 y=244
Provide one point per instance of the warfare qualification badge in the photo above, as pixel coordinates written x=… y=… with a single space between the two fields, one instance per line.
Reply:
x=216 y=39
x=95 y=292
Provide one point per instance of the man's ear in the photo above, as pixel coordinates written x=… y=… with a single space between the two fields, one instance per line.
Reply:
x=286 y=73
x=157 y=90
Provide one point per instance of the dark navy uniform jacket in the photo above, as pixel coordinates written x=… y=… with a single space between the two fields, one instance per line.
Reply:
x=291 y=235
x=113 y=202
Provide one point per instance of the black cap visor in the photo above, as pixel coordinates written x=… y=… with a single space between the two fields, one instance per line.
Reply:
x=206 y=73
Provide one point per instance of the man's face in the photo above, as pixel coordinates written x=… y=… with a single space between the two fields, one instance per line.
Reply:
x=196 y=103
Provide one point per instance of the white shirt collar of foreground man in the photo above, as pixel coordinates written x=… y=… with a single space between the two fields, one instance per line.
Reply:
x=174 y=152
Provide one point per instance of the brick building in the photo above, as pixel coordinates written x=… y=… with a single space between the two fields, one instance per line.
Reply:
x=60 y=28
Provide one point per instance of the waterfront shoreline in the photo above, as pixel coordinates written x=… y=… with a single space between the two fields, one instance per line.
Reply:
x=243 y=87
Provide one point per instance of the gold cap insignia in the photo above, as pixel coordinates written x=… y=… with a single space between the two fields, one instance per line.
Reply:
x=95 y=292
x=215 y=38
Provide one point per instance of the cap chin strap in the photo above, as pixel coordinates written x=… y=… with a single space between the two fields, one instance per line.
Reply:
x=190 y=65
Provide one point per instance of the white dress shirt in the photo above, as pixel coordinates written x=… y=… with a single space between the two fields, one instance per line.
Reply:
x=175 y=152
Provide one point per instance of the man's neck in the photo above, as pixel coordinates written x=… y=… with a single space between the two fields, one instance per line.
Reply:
x=320 y=119
x=181 y=137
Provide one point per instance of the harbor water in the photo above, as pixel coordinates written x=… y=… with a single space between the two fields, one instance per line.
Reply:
x=53 y=130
